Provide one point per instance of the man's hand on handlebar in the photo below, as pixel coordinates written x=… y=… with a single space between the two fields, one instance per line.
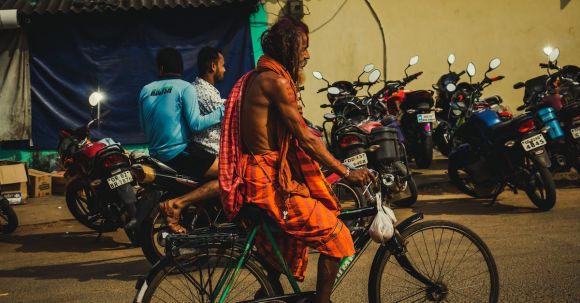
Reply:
x=360 y=176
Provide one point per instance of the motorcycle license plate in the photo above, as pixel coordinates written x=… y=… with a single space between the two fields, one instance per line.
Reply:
x=534 y=142
x=120 y=179
x=575 y=132
x=426 y=118
x=358 y=160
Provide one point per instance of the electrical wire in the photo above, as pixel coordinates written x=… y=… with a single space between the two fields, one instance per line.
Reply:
x=331 y=18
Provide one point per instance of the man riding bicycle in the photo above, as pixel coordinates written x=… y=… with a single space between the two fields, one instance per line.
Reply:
x=268 y=158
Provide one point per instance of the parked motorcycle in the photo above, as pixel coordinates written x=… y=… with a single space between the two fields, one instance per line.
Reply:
x=8 y=218
x=417 y=115
x=363 y=134
x=159 y=182
x=99 y=194
x=447 y=115
x=551 y=99
x=496 y=154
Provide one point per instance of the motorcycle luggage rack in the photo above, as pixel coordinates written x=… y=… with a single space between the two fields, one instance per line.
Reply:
x=179 y=244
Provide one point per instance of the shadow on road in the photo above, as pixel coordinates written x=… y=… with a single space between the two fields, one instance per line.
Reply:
x=122 y=269
x=65 y=242
x=469 y=206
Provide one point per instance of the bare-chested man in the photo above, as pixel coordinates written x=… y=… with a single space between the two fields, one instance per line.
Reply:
x=269 y=159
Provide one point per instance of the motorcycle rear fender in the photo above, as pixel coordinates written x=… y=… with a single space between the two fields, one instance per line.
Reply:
x=541 y=155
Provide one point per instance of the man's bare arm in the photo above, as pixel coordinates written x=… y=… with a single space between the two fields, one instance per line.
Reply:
x=280 y=93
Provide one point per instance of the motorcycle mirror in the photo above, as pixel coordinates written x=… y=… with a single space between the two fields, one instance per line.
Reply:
x=451 y=59
x=95 y=98
x=548 y=50
x=494 y=63
x=333 y=90
x=554 y=55
x=329 y=116
x=374 y=76
x=450 y=87
x=368 y=68
x=317 y=75
x=471 y=69
x=413 y=60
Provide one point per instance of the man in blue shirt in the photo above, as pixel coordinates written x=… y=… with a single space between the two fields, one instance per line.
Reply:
x=170 y=115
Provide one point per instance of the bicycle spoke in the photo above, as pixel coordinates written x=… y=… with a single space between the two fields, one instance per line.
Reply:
x=410 y=296
x=420 y=256
x=445 y=259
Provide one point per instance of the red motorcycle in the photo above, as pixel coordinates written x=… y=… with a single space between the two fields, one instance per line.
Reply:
x=99 y=192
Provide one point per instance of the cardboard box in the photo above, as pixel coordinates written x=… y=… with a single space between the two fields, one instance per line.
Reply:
x=40 y=184
x=13 y=178
x=58 y=182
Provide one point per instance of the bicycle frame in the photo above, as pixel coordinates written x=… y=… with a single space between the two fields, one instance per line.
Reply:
x=361 y=243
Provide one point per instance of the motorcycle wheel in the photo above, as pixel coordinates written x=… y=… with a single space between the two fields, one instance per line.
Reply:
x=79 y=195
x=8 y=219
x=411 y=186
x=541 y=188
x=461 y=179
x=151 y=231
x=424 y=153
x=439 y=138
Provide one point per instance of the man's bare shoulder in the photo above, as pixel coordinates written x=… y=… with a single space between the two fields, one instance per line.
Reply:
x=272 y=84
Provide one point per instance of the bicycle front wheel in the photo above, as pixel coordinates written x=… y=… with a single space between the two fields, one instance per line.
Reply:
x=449 y=254
x=194 y=278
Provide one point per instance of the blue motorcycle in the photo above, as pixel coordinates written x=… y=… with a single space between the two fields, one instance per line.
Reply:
x=490 y=155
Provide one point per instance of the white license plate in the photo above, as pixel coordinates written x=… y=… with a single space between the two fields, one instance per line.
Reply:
x=358 y=160
x=575 y=132
x=120 y=179
x=534 y=142
x=426 y=118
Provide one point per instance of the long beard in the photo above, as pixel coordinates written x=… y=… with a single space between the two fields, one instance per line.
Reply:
x=301 y=77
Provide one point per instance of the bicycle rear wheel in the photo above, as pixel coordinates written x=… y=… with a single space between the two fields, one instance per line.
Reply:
x=449 y=254
x=194 y=277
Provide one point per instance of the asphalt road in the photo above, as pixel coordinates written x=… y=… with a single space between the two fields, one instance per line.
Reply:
x=52 y=258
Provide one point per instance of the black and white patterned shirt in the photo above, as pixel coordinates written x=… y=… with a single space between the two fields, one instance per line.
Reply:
x=209 y=99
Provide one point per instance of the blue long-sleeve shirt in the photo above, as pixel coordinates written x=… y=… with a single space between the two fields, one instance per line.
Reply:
x=169 y=113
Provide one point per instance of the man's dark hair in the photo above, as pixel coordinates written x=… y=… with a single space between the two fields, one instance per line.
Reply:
x=206 y=57
x=170 y=60
x=282 y=43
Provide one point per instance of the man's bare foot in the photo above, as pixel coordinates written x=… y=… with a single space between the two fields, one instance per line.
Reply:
x=172 y=214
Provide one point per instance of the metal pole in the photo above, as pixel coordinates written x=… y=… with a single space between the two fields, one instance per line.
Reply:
x=382 y=36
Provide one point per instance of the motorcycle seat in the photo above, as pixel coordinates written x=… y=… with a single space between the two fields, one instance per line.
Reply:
x=569 y=111
x=507 y=127
x=163 y=168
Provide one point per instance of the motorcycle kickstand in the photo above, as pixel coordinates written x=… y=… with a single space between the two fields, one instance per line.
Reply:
x=99 y=236
x=496 y=195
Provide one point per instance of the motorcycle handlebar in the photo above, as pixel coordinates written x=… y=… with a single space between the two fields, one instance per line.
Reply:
x=496 y=78
x=321 y=90
x=461 y=73
x=412 y=77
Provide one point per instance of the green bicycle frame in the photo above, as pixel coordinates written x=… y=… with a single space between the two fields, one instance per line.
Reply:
x=228 y=279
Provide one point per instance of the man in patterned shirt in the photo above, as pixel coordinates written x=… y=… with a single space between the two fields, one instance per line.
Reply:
x=210 y=64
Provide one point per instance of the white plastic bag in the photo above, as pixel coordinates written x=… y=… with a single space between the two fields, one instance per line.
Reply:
x=382 y=228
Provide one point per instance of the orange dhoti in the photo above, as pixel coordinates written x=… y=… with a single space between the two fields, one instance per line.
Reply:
x=306 y=221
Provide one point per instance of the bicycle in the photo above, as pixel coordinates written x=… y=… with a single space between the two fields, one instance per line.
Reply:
x=215 y=266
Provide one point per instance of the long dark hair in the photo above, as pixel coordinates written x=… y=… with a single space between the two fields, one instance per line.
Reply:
x=282 y=43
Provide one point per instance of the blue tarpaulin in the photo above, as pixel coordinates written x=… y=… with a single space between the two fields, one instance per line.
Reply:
x=74 y=55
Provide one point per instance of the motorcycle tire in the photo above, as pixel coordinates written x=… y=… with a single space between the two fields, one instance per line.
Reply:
x=411 y=186
x=546 y=198
x=8 y=219
x=424 y=153
x=462 y=184
x=79 y=195
x=439 y=139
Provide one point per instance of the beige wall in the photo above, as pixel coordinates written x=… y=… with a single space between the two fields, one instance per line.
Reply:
x=476 y=30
